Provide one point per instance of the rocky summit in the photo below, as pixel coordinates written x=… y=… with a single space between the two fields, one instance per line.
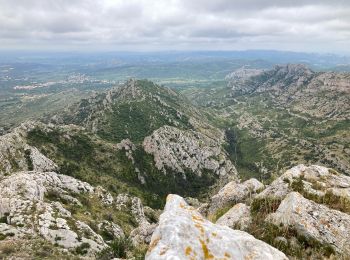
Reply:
x=182 y=233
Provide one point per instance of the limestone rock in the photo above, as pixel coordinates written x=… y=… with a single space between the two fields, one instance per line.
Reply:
x=182 y=150
x=317 y=180
x=28 y=211
x=183 y=233
x=17 y=155
x=41 y=162
x=314 y=221
x=232 y=193
x=104 y=195
x=238 y=217
x=111 y=229
x=142 y=234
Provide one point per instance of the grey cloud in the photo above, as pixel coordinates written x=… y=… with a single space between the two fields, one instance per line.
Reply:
x=295 y=25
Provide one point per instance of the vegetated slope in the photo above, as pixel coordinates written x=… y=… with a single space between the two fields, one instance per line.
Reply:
x=284 y=116
x=167 y=146
x=138 y=138
x=132 y=110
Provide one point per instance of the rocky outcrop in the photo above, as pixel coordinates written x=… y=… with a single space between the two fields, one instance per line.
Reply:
x=314 y=221
x=28 y=209
x=17 y=155
x=238 y=217
x=297 y=87
x=111 y=230
x=233 y=193
x=314 y=180
x=143 y=232
x=187 y=150
x=183 y=233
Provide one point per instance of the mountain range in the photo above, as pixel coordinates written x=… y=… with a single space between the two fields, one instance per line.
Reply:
x=261 y=163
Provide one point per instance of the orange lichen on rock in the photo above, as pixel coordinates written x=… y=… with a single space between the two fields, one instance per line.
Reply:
x=206 y=252
x=201 y=229
x=197 y=218
x=188 y=251
x=227 y=255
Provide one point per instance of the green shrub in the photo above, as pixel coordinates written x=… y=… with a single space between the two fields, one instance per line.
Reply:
x=29 y=160
x=82 y=249
x=121 y=246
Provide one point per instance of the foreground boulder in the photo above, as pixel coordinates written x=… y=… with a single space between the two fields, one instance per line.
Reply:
x=183 y=233
x=314 y=221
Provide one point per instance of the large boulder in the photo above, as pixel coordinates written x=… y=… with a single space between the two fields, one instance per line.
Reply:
x=238 y=217
x=183 y=233
x=314 y=221
x=233 y=193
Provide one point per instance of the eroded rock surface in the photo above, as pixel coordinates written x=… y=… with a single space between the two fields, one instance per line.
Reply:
x=26 y=209
x=183 y=233
x=17 y=155
x=183 y=150
x=232 y=193
x=313 y=180
x=238 y=217
x=314 y=221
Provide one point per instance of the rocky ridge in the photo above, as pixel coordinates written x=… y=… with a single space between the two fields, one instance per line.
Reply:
x=298 y=87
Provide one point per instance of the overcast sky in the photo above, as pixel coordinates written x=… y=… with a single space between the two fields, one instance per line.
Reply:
x=309 y=25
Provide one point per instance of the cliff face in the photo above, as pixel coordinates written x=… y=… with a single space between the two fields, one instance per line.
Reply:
x=317 y=94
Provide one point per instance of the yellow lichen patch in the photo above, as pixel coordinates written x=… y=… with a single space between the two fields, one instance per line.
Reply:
x=188 y=250
x=214 y=234
x=201 y=229
x=153 y=244
x=206 y=252
x=197 y=218
x=227 y=255
x=250 y=256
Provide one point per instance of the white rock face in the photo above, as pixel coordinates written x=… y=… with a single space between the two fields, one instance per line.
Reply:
x=27 y=212
x=317 y=180
x=111 y=228
x=183 y=233
x=182 y=150
x=237 y=217
x=232 y=193
x=13 y=149
x=314 y=221
x=41 y=162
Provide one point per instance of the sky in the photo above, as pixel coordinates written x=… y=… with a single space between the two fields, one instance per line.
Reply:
x=151 y=25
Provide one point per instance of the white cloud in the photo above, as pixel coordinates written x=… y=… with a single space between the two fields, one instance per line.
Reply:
x=176 y=24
